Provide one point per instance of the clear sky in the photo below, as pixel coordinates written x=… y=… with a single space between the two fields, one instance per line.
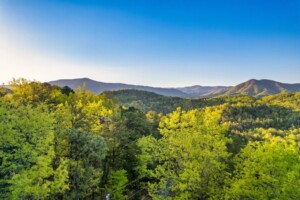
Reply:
x=151 y=42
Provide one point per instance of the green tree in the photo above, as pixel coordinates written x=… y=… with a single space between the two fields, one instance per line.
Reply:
x=117 y=184
x=33 y=92
x=87 y=152
x=121 y=133
x=190 y=157
x=27 y=153
x=87 y=109
x=266 y=170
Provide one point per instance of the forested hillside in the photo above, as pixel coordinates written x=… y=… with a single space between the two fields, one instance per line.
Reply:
x=149 y=101
x=56 y=143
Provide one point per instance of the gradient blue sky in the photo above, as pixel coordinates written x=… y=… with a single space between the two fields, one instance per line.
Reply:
x=157 y=43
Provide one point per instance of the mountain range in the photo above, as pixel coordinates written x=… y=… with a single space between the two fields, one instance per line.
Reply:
x=99 y=87
x=253 y=87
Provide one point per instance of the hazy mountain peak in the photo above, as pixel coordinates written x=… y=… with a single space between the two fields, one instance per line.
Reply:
x=262 y=87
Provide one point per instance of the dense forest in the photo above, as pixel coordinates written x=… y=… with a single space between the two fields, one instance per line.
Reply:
x=56 y=143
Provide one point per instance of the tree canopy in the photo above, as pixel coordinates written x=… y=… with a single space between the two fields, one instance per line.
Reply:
x=56 y=143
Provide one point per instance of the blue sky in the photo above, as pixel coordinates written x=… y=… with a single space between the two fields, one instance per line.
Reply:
x=157 y=43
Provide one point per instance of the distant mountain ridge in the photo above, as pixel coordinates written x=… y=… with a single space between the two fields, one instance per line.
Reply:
x=204 y=91
x=253 y=87
x=99 y=87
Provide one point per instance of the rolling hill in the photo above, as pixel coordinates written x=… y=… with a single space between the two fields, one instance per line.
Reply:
x=146 y=101
x=264 y=87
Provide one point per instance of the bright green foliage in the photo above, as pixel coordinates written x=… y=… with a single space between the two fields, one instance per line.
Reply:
x=66 y=111
x=27 y=92
x=245 y=118
x=153 y=116
x=62 y=125
x=190 y=157
x=288 y=100
x=117 y=184
x=260 y=134
x=27 y=152
x=150 y=149
x=149 y=101
x=87 y=108
x=266 y=170
x=59 y=144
